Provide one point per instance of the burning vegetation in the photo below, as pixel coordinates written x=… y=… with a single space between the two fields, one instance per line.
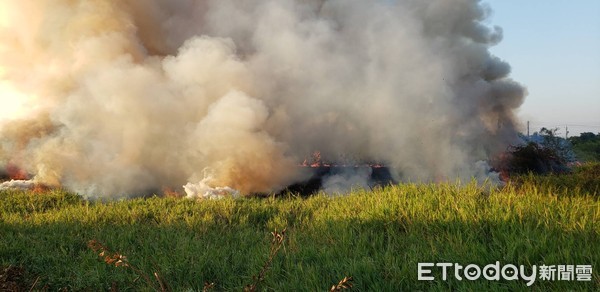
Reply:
x=120 y=98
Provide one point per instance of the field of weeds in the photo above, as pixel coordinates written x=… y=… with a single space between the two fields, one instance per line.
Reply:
x=366 y=240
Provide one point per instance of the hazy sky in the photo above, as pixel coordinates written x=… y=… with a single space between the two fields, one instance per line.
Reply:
x=553 y=47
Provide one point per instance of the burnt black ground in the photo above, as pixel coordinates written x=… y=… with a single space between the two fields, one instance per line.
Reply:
x=380 y=176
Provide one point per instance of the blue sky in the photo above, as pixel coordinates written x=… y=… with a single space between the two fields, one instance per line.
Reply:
x=553 y=47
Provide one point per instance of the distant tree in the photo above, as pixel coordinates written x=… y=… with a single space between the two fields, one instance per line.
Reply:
x=561 y=146
x=587 y=137
x=586 y=146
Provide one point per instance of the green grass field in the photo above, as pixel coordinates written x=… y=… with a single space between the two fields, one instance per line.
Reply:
x=377 y=237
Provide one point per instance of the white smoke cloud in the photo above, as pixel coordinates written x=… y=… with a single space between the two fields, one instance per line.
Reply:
x=203 y=190
x=346 y=180
x=17 y=185
x=117 y=98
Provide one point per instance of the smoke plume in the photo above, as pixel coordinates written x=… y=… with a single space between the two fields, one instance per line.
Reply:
x=116 y=98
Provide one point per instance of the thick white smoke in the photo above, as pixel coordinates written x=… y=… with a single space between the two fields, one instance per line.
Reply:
x=123 y=97
x=347 y=180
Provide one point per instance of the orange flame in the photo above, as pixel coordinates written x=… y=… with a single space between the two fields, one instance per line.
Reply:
x=40 y=188
x=171 y=193
x=16 y=173
x=316 y=159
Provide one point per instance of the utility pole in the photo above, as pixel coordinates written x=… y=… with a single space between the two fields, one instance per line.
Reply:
x=527 y=129
x=566 y=132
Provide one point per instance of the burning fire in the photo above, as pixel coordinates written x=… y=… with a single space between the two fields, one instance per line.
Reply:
x=16 y=173
x=17 y=178
x=116 y=98
x=316 y=161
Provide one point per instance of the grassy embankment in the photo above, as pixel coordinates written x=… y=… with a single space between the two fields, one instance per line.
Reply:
x=378 y=237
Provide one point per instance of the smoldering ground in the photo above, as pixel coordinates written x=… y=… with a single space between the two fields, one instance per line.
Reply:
x=113 y=98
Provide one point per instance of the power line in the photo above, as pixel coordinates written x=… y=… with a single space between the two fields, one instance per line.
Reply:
x=559 y=127
x=565 y=125
x=587 y=126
